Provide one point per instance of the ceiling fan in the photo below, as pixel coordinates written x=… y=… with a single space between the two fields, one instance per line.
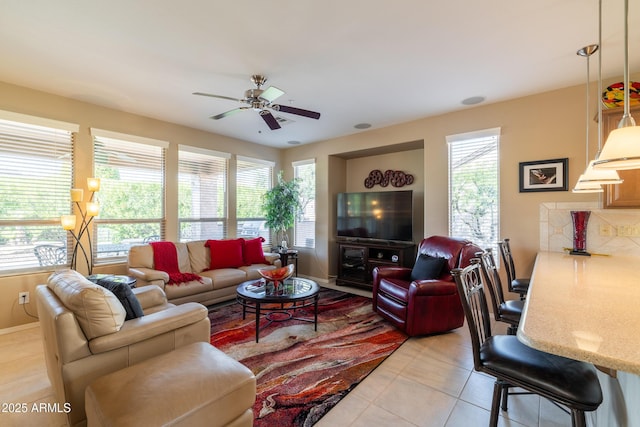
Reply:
x=262 y=101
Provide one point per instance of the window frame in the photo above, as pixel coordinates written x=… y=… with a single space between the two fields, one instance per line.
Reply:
x=489 y=137
x=208 y=157
x=265 y=233
x=120 y=252
x=61 y=138
x=297 y=227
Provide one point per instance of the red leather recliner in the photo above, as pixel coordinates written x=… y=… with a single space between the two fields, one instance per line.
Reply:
x=424 y=307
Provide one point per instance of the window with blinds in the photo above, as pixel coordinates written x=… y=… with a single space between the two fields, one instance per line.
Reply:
x=131 y=196
x=253 y=179
x=474 y=197
x=36 y=177
x=305 y=225
x=202 y=193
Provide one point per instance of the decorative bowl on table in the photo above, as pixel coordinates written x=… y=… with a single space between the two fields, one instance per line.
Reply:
x=274 y=277
x=277 y=274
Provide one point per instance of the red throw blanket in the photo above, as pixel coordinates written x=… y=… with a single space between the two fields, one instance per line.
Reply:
x=165 y=258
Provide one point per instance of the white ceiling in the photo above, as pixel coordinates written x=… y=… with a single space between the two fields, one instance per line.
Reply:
x=376 y=61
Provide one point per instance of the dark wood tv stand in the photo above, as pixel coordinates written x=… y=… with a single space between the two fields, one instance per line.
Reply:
x=356 y=260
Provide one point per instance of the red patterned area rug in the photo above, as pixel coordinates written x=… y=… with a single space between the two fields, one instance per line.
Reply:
x=301 y=373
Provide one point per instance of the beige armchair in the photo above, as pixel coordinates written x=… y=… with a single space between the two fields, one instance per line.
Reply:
x=85 y=335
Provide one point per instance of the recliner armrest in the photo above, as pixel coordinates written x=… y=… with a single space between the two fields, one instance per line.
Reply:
x=148 y=274
x=402 y=273
x=142 y=328
x=432 y=287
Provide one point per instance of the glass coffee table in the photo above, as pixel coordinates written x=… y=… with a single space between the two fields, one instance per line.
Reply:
x=278 y=305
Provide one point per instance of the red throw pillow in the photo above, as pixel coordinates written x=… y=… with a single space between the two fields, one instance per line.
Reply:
x=225 y=253
x=253 y=253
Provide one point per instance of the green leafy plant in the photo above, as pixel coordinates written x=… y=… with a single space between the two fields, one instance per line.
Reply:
x=281 y=205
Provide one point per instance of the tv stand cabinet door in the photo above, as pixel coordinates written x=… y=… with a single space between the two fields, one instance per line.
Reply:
x=352 y=264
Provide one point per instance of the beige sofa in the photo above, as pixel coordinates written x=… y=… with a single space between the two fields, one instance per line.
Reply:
x=86 y=336
x=194 y=257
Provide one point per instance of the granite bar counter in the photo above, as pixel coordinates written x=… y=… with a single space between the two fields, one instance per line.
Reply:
x=585 y=308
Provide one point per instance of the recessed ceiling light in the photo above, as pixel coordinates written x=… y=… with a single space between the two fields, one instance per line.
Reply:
x=363 y=126
x=473 y=100
x=293 y=142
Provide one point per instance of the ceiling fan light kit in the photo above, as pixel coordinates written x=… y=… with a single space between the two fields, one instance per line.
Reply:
x=261 y=101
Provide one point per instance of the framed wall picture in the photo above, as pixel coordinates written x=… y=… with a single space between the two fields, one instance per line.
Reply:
x=544 y=175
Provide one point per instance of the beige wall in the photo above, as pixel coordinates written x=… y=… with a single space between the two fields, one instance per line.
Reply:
x=544 y=126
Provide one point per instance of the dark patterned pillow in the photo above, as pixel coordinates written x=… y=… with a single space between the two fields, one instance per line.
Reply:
x=427 y=267
x=127 y=298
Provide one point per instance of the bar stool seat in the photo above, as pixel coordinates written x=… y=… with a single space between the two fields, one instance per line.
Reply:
x=567 y=381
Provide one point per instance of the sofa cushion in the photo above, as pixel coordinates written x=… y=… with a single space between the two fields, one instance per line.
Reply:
x=226 y=277
x=427 y=267
x=125 y=295
x=252 y=251
x=192 y=287
x=226 y=253
x=97 y=309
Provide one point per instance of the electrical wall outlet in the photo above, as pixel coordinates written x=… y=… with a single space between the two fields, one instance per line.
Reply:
x=23 y=298
x=605 y=230
x=624 y=230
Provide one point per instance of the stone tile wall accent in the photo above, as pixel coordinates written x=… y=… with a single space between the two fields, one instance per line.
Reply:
x=556 y=229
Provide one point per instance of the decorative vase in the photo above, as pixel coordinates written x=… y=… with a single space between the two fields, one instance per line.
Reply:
x=580 y=220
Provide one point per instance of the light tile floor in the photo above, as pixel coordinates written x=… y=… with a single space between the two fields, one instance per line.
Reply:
x=428 y=381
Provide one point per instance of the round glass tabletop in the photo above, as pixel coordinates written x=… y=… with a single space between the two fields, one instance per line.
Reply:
x=292 y=289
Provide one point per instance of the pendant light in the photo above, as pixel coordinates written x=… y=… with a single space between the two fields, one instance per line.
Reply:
x=622 y=149
x=581 y=186
x=591 y=175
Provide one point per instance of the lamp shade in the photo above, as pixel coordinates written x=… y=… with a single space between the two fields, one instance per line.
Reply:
x=93 y=184
x=93 y=208
x=76 y=194
x=600 y=176
x=621 y=151
x=585 y=187
x=68 y=222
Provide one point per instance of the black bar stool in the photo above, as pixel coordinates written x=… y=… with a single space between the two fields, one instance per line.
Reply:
x=508 y=312
x=514 y=284
x=566 y=382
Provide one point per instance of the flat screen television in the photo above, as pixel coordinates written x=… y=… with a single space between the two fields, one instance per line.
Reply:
x=375 y=215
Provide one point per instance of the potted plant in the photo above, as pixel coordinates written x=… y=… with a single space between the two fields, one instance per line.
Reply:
x=281 y=205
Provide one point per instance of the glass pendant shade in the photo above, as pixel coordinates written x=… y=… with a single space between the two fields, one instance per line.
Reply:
x=586 y=187
x=600 y=176
x=621 y=151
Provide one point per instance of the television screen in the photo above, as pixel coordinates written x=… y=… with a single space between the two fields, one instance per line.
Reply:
x=383 y=215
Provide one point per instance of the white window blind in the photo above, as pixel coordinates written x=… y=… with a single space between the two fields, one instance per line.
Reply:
x=305 y=226
x=474 y=197
x=131 y=192
x=253 y=179
x=36 y=177
x=202 y=193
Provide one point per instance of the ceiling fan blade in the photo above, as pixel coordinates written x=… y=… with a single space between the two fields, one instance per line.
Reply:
x=269 y=120
x=217 y=96
x=271 y=93
x=298 y=111
x=228 y=113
